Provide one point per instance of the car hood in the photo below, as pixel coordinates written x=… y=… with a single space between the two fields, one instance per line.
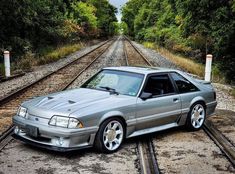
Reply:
x=65 y=102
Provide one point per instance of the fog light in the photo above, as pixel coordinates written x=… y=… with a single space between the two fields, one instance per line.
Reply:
x=61 y=141
x=16 y=130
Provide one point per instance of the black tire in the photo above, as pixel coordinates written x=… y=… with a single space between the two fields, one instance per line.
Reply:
x=192 y=125
x=99 y=140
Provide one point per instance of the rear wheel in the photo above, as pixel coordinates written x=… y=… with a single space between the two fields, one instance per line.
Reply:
x=110 y=135
x=196 y=117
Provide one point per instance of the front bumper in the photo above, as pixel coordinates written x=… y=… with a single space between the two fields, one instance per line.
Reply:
x=51 y=137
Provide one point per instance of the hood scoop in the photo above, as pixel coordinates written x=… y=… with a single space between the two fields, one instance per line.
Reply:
x=71 y=102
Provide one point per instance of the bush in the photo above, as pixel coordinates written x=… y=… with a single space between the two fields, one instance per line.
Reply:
x=217 y=76
x=233 y=92
x=2 y=69
x=56 y=54
x=26 y=62
x=149 y=45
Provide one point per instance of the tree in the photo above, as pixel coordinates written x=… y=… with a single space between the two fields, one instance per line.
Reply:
x=106 y=16
x=30 y=25
x=190 y=27
x=83 y=14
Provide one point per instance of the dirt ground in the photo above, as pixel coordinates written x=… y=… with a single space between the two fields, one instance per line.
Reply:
x=179 y=151
x=21 y=158
x=224 y=121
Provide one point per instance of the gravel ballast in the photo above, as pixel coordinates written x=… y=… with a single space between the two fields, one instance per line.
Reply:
x=38 y=72
x=180 y=151
x=225 y=100
x=19 y=158
x=177 y=151
x=155 y=58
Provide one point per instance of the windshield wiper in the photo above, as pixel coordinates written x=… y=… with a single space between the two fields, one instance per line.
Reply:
x=111 y=90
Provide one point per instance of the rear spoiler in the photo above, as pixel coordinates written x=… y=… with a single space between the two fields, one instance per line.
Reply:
x=204 y=82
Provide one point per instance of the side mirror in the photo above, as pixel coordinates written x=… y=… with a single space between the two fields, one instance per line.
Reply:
x=146 y=95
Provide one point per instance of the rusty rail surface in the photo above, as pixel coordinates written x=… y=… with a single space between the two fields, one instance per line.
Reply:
x=147 y=158
x=220 y=140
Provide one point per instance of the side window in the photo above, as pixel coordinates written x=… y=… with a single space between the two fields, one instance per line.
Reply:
x=159 y=85
x=183 y=84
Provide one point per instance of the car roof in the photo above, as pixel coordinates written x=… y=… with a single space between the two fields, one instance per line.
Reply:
x=141 y=70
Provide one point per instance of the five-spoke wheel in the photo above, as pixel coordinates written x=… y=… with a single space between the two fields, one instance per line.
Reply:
x=110 y=135
x=113 y=135
x=196 y=116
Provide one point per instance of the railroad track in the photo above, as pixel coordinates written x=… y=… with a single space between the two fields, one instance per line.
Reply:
x=53 y=82
x=145 y=147
x=147 y=158
x=220 y=140
x=134 y=57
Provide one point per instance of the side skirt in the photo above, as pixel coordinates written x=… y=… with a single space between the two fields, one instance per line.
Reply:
x=153 y=129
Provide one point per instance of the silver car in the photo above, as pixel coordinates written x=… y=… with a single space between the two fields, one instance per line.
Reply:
x=116 y=103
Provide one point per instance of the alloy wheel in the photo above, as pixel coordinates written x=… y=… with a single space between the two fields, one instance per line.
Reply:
x=197 y=116
x=113 y=135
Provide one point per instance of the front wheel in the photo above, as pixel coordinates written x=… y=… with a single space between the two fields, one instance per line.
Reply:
x=196 y=117
x=110 y=135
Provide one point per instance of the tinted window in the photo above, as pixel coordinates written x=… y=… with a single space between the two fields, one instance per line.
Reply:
x=183 y=84
x=159 y=85
x=125 y=83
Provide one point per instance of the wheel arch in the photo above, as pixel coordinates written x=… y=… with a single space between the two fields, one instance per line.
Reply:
x=99 y=144
x=198 y=99
x=113 y=114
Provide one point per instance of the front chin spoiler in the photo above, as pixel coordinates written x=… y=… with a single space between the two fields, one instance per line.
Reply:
x=48 y=147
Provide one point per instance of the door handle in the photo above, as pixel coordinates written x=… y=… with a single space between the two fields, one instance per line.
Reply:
x=176 y=100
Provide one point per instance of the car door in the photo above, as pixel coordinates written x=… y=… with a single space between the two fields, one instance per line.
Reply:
x=164 y=105
x=187 y=91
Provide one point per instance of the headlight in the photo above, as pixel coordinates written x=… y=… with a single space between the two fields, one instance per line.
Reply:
x=67 y=122
x=22 y=112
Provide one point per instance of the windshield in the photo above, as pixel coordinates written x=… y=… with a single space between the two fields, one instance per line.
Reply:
x=121 y=82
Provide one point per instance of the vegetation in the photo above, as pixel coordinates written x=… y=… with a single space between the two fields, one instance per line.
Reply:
x=29 y=26
x=46 y=55
x=233 y=92
x=190 y=28
x=184 y=63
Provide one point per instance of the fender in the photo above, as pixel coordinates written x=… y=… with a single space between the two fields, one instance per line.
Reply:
x=196 y=99
x=183 y=118
x=111 y=114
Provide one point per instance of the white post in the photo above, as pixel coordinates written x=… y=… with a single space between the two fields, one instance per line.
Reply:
x=7 y=63
x=208 y=67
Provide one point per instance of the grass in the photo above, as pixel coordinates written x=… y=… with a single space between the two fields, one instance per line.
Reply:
x=58 y=53
x=233 y=92
x=187 y=64
x=46 y=55
x=184 y=63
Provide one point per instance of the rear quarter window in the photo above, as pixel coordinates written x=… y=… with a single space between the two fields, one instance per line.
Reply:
x=183 y=85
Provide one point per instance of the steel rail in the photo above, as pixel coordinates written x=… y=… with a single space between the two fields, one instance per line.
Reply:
x=11 y=96
x=140 y=53
x=125 y=53
x=221 y=141
x=6 y=137
x=148 y=162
